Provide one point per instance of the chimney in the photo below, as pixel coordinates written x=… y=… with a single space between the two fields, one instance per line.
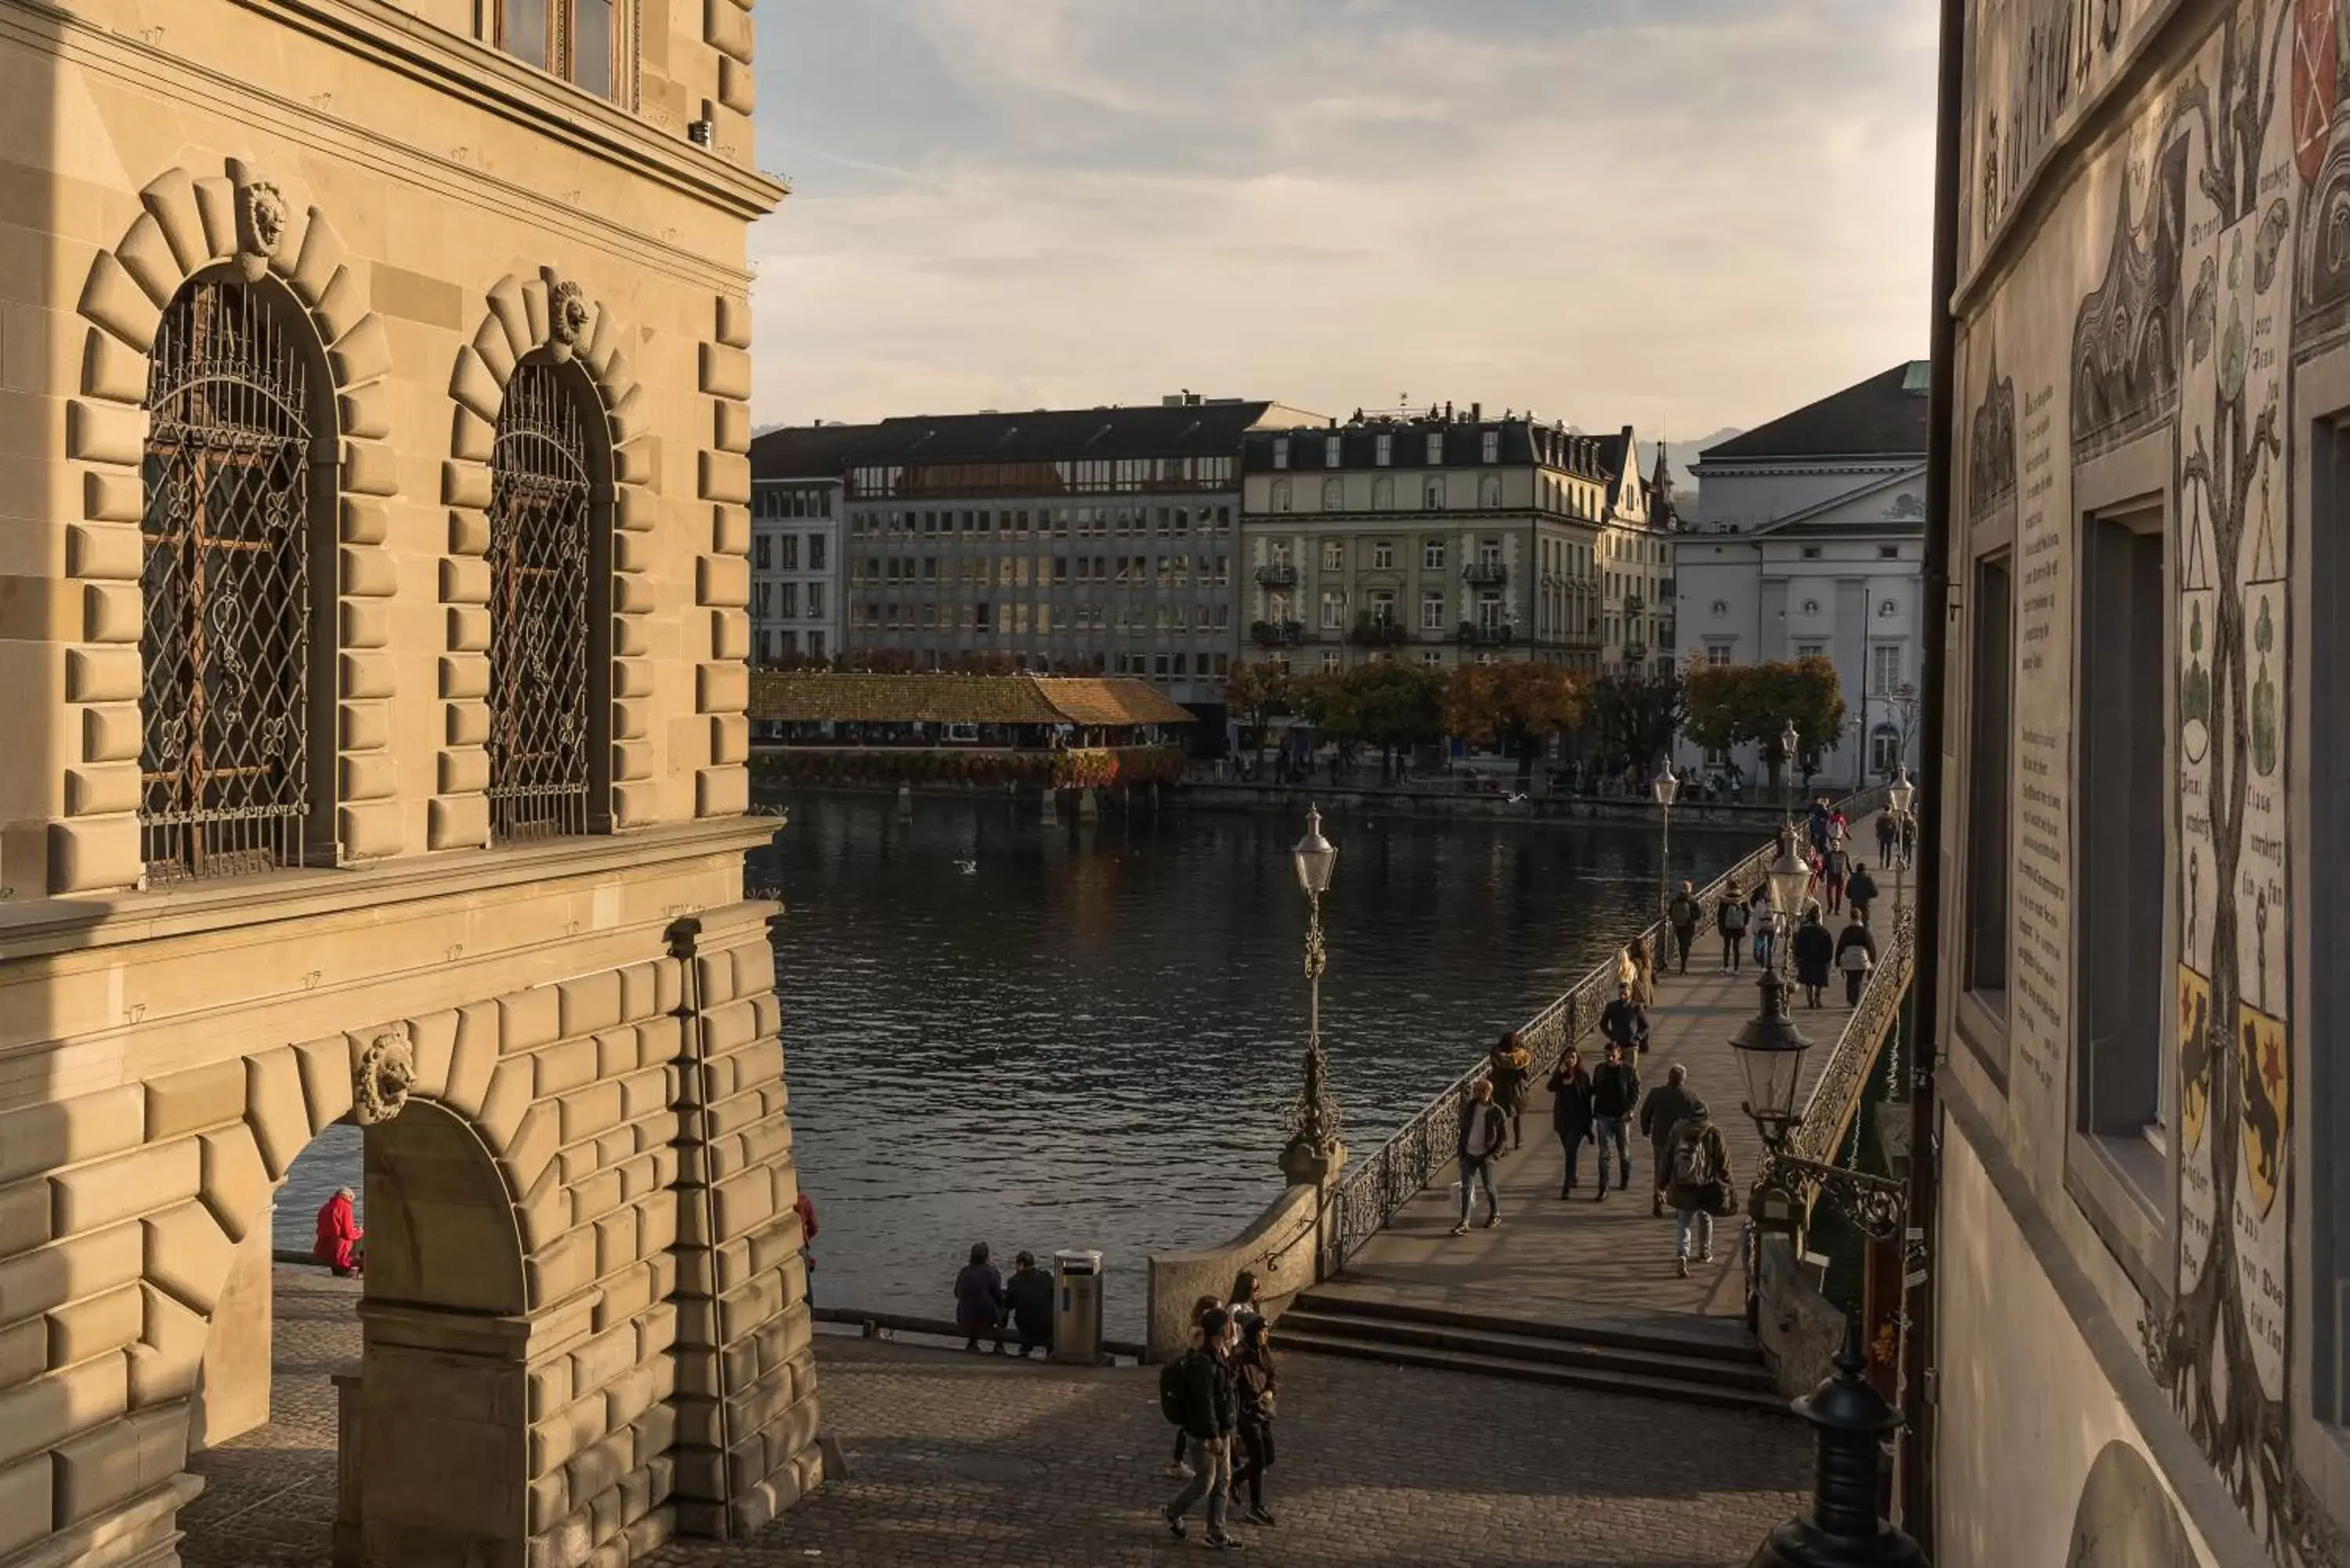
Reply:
x=1476 y=412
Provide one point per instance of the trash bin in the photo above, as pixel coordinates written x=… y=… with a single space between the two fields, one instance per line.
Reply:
x=1077 y=1308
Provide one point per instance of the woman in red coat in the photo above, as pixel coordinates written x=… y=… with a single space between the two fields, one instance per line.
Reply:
x=339 y=1233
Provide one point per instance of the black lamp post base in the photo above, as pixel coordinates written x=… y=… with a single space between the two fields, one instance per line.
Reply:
x=1799 y=1543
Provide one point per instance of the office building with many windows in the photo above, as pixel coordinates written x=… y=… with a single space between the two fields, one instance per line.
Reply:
x=796 y=517
x=1441 y=537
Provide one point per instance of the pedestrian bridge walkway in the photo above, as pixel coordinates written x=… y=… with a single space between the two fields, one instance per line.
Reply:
x=1595 y=1273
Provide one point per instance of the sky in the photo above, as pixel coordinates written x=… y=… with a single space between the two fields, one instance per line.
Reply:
x=1686 y=215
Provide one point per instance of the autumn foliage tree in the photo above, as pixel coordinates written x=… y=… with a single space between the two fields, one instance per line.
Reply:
x=1636 y=714
x=1385 y=703
x=1517 y=706
x=1730 y=705
x=1260 y=693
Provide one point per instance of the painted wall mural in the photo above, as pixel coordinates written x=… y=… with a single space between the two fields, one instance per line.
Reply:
x=2219 y=225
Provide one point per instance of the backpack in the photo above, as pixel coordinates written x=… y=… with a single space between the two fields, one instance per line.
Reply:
x=1733 y=919
x=1693 y=1162
x=1175 y=1389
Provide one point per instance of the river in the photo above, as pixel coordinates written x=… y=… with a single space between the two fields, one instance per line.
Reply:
x=1086 y=1035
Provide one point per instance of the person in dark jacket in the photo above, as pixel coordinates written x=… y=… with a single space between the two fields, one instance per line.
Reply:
x=979 y=1299
x=1835 y=869
x=1255 y=1383
x=1682 y=914
x=1860 y=892
x=1570 y=1113
x=1028 y=1294
x=1661 y=1112
x=1624 y=1021
x=1855 y=954
x=1888 y=835
x=1614 y=1091
x=1200 y=1307
x=1730 y=919
x=1211 y=1414
x=1484 y=1130
x=1699 y=1187
x=1813 y=951
x=1512 y=1069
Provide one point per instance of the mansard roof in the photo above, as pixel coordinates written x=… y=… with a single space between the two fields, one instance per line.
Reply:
x=1884 y=416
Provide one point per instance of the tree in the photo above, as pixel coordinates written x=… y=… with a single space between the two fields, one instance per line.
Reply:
x=1750 y=704
x=1260 y=693
x=1636 y=714
x=1398 y=705
x=1516 y=706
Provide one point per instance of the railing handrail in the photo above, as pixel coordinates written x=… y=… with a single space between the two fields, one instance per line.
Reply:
x=1369 y=1194
x=1837 y=1093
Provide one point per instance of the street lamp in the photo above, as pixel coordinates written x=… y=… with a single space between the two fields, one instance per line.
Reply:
x=1770 y=1051
x=1788 y=743
x=1667 y=789
x=1898 y=796
x=1313 y=1120
x=1849 y=1421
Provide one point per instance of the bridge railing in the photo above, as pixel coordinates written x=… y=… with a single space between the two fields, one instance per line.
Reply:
x=1836 y=1094
x=1369 y=1195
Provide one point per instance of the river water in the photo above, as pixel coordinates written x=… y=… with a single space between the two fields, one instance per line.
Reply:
x=1086 y=1035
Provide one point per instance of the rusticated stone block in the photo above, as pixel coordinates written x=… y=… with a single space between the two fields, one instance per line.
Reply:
x=502 y=1107
x=24 y=1217
x=533 y=1146
x=25 y=1494
x=60 y=1132
x=529 y=1019
x=91 y=1196
x=188 y=1255
x=559 y=1069
x=236 y=1183
x=168 y=1362
x=96 y=1324
x=83 y=1266
x=117 y=1462
x=42 y=1413
x=626 y=1294
x=742 y=1202
x=325 y=1067
x=561 y=1269
x=616 y=1052
x=472 y=1057
x=277 y=1107
x=591 y=1108
x=616 y=1240
x=23 y=1351
x=432 y=1037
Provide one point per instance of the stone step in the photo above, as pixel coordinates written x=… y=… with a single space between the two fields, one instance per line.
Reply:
x=1715 y=1395
x=1674 y=1366
x=1727 y=1347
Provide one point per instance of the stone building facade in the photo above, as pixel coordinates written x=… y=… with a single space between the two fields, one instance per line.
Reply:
x=797 y=568
x=374 y=537
x=2142 y=1280
x=1810 y=542
x=1446 y=538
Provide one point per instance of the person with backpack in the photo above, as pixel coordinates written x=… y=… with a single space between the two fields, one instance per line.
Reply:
x=1860 y=892
x=1028 y=1295
x=1835 y=869
x=1661 y=1112
x=1889 y=833
x=1570 y=1114
x=1624 y=1021
x=1195 y=1393
x=1814 y=950
x=1763 y=919
x=1200 y=1308
x=1855 y=955
x=1700 y=1185
x=1615 y=1090
x=1730 y=920
x=1484 y=1127
x=1510 y=1070
x=1681 y=914
x=1255 y=1383
x=979 y=1299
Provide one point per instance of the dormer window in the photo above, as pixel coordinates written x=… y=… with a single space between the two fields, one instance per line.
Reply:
x=1435 y=448
x=1492 y=446
x=1280 y=451
x=1330 y=450
x=1385 y=455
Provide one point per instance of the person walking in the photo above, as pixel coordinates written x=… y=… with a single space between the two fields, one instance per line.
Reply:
x=1510 y=1070
x=1570 y=1114
x=1624 y=1021
x=1614 y=1091
x=1699 y=1187
x=1200 y=1307
x=1815 y=951
x=337 y=1244
x=1028 y=1297
x=979 y=1299
x=1855 y=955
x=1484 y=1127
x=804 y=1207
x=1888 y=836
x=1908 y=838
x=1860 y=892
x=1241 y=1306
x=1764 y=922
x=1681 y=914
x=1254 y=1385
x=1836 y=866
x=1210 y=1413
x=1661 y=1111
x=1730 y=917
x=1816 y=823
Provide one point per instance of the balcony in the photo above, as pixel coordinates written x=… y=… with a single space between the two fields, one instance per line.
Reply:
x=1634 y=652
x=1277 y=633
x=1634 y=604
x=1485 y=574
x=1376 y=631
x=1280 y=575
x=1475 y=634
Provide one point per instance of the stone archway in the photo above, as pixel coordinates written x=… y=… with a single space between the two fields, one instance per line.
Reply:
x=191 y=225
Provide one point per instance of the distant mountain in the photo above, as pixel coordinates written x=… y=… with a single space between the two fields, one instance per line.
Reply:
x=1684 y=458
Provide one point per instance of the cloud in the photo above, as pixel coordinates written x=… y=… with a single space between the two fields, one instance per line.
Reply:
x=1685 y=217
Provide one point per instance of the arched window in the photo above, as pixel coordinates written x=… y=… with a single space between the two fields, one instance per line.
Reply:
x=1489 y=490
x=1383 y=495
x=1281 y=495
x=1887 y=608
x=237 y=424
x=1333 y=496
x=1721 y=608
x=550 y=632
x=1435 y=495
x=1811 y=606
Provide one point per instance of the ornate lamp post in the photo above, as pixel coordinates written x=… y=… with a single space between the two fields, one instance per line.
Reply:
x=1898 y=796
x=1770 y=1056
x=1789 y=743
x=1667 y=789
x=1313 y=1120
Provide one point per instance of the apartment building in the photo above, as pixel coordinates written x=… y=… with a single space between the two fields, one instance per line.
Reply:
x=795 y=559
x=1443 y=537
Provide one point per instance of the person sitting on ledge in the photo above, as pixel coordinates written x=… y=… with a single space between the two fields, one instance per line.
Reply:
x=1028 y=1295
x=337 y=1245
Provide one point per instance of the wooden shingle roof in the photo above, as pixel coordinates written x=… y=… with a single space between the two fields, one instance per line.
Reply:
x=821 y=696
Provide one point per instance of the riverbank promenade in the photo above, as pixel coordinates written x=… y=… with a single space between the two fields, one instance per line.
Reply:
x=1608 y=1267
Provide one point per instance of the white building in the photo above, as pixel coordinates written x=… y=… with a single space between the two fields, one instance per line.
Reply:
x=795 y=565
x=1810 y=542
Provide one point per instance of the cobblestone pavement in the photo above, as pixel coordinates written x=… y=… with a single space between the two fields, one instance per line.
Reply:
x=959 y=1460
